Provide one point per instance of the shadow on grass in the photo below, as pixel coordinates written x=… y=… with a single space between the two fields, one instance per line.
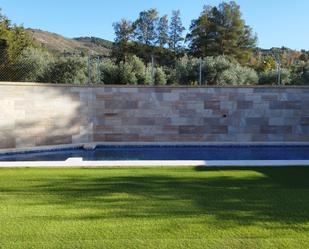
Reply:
x=243 y=196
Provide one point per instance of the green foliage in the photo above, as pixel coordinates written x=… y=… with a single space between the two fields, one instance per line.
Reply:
x=214 y=67
x=267 y=64
x=33 y=64
x=13 y=41
x=133 y=71
x=148 y=36
x=220 y=71
x=238 y=75
x=17 y=40
x=221 y=31
x=138 y=68
x=67 y=70
x=175 y=32
x=123 y=31
x=162 y=31
x=109 y=72
x=160 y=77
x=300 y=73
x=148 y=76
x=215 y=71
x=145 y=27
x=271 y=77
x=126 y=74
x=305 y=74
x=186 y=71
x=219 y=36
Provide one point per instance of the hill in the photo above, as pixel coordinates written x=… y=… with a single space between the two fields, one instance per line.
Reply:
x=97 y=46
x=60 y=44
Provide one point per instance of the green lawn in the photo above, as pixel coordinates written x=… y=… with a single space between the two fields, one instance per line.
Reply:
x=154 y=208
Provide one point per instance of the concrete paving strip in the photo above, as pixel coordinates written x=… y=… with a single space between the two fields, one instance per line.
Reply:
x=79 y=163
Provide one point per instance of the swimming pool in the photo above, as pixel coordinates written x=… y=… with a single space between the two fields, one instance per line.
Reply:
x=164 y=153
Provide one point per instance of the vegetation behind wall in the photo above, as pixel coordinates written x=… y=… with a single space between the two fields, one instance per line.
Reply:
x=219 y=49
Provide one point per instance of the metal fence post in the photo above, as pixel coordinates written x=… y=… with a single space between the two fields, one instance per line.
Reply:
x=200 y=72
x=89 y=70
x=99 y=70
x=278 y=61
x=279 y=73
x=152 y=70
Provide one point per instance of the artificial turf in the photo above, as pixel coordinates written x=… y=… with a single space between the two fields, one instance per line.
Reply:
x=154 y=208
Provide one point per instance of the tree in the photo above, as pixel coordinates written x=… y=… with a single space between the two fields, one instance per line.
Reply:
x=124 y=32
x=13 y=41
x=18 y=40
x=13 y=38
x=146 y=37
x=67 y=70
x=221 y=31
x=175 y=32
x=162 y=31
x=145 y=27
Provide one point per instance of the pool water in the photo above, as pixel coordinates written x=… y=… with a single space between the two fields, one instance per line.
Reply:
x=145 y=152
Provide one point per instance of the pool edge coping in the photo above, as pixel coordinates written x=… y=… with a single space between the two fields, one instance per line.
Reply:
x=91 y=146
x=79 y=163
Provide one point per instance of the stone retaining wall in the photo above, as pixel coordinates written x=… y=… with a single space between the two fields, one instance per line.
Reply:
x=38 y=114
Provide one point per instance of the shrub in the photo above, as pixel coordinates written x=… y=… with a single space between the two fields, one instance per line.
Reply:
x=109 y=72
x=300 y=73
x=160 y=77
x=148 y=76
x=67 y=70
x=33 y=64
x=187 y=70
x=215 y=71
x=238 y=75
x=138 y=68
x=127 y=74
x=271 y=77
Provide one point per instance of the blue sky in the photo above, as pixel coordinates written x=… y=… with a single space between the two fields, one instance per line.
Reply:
x=277 y=23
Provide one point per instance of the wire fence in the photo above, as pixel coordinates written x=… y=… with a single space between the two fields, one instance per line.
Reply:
x=62 y=69
x=37 y=65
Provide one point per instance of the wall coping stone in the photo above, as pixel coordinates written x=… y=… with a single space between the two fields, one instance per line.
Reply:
x=6 y=83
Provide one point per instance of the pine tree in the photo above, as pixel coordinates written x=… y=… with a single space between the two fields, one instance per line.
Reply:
x=175 y=32
x=145 y=27
x=221 y=31
x=124 y=33
x=162 y=31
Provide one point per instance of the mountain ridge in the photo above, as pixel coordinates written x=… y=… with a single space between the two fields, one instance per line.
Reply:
x=57 y=43
x=95 y=46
